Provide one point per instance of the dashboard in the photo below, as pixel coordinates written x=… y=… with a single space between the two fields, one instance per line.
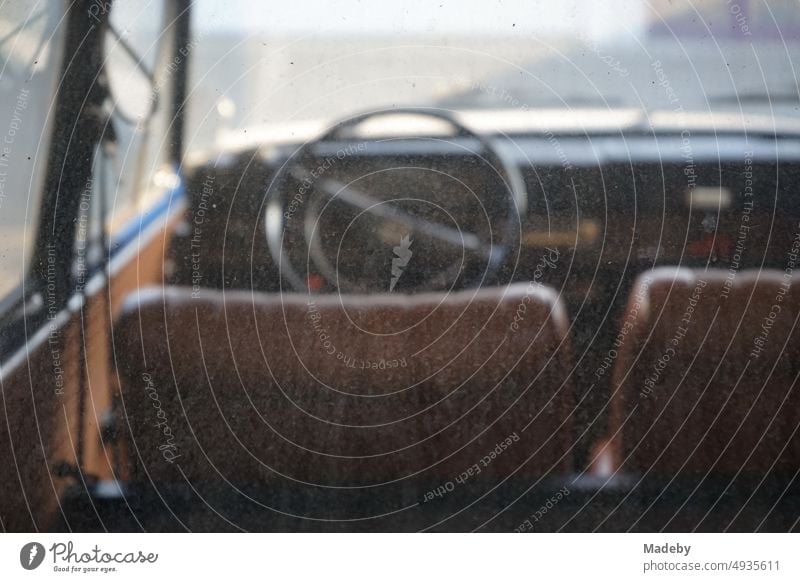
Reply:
x=606 y=203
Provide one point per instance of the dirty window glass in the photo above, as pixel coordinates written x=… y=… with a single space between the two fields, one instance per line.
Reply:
x=279 y=66
x=139 y=77
x=29 y=64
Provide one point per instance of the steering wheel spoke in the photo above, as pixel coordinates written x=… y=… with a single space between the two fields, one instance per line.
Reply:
x=461 y=248
x=355 y=198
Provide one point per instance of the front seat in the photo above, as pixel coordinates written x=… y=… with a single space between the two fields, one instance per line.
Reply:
x=705 y=381
x=344 y=391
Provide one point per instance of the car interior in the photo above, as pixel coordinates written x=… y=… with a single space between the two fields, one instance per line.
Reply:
x=556 y=296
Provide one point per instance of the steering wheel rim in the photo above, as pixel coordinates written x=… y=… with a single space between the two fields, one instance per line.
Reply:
x=278 y=201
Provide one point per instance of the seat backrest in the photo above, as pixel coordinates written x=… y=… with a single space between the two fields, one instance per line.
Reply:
x=706 y=372
x=344 y=390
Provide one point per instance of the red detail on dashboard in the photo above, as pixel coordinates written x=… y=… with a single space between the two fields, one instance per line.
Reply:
x=719 y=245
x=315 y=282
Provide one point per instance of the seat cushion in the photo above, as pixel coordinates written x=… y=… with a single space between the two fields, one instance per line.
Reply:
x=344 y=390
x=706 y=374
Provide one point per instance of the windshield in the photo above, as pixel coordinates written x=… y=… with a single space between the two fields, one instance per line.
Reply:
x=257 y=64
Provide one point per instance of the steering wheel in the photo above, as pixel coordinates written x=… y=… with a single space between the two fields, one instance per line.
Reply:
x=340 y=217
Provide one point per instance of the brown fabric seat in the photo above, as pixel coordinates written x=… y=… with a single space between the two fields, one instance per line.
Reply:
x=344 y=390
x=705 y=380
